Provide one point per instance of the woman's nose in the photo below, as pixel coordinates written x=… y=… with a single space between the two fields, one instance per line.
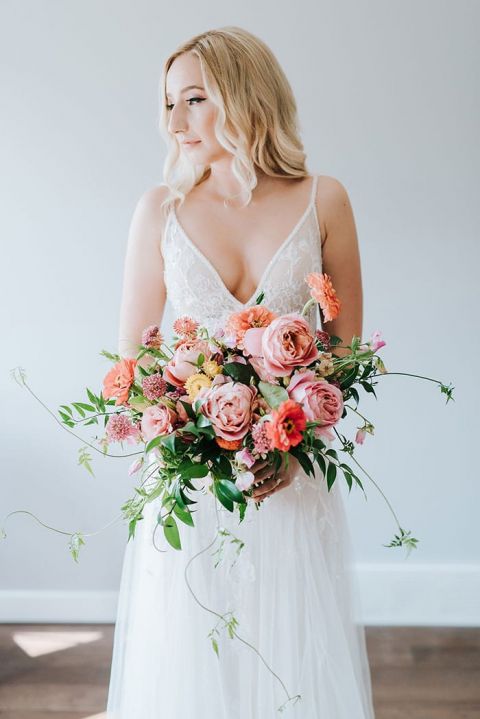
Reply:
x=177 y=121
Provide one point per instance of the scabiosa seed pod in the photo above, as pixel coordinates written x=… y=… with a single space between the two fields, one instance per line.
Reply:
x=120 y=428
x=261 y=441
x=154 y=386
x=152 y=337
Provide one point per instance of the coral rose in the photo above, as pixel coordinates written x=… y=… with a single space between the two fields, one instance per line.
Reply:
x=183 y=362
x=288 y=343
x=229 y=408
x=157 y=420
x=285 y=429
x=118 y=381
x=320 y=400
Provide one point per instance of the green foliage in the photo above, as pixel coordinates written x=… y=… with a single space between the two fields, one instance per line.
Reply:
x=170 y=529
x=273 y=394
x=84 y=459
x=76 y=541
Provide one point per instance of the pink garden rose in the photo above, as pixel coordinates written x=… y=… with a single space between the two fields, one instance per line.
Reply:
x=183 y=362
x=229 y=408
x=157 y=420
x=320 y=400
x=288 y=343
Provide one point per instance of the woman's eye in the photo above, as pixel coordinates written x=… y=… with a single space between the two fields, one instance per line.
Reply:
x=190 y=99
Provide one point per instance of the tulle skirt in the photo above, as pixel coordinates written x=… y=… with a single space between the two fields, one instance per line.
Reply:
x=291 y=588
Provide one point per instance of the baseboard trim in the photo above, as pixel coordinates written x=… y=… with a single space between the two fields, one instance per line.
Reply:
x=391 y=595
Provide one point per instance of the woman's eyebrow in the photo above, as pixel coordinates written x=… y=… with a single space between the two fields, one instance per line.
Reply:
x=189 y=87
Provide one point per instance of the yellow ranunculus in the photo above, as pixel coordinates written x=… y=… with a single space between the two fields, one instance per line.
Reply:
x=211 y=368
x=195 y=382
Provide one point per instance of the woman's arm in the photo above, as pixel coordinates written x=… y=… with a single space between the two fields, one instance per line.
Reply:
x=341 y=260
x=144 y=293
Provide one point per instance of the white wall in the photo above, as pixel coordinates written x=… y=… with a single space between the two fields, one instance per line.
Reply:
x=389 y=105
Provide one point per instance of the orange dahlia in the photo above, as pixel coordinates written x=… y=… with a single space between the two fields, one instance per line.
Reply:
x=118 y=381
x=321 y=289
x=239 y=322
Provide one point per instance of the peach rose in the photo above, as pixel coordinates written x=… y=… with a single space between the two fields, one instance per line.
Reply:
x=288 y=343
x=320 y=400
x=229 y=408
x=157 y=420
x=183 y=362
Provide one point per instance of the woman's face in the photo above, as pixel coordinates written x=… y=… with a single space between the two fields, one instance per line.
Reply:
x=191 y=114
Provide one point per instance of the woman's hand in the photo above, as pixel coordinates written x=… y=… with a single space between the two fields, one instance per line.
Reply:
x=267 y=483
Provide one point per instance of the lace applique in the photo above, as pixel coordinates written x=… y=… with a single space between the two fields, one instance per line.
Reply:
x=195 y=288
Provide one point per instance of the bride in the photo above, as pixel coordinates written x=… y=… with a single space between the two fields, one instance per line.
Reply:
x=239 y=214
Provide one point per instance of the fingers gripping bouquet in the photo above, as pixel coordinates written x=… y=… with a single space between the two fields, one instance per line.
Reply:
x=259 y=391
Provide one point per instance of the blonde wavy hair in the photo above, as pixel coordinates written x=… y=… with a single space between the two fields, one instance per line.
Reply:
x=256 y=120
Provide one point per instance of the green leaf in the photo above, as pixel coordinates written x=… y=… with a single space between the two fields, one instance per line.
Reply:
x=348 y=477
x=224 y=465
x=203 y=421
x=168 y=441
x=223 y=497
x=170 y=529
x=194 y=470
x=304 y=460
x=238 y=371
x=274 y=394
x=155 y=442
x=349 y=378
x=183 y=515
x=188 y=408
x=67 y=409
x=355 y=394
x=231 y=490
x=260 y=297
x=79 y=409
x=321 y=463
x=215 y=645
x=331 y=475
x=92 y=397
x=87 y=407
x=368 y=388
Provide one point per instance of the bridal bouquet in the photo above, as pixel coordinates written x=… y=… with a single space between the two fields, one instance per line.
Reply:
x=262 y=387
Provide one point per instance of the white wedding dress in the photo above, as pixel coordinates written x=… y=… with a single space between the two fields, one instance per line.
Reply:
x=292 y=588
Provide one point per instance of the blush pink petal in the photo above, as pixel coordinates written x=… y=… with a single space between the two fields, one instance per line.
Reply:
x=252 y=341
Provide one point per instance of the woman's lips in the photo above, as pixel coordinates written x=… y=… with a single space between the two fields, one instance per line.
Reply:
x=192 y=142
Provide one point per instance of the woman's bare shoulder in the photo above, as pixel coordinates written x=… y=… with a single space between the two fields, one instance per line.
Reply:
x=149 y=216
x=150 y=203
x=331 y=200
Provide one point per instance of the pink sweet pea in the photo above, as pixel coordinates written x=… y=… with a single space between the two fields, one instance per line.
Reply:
x=245 y=457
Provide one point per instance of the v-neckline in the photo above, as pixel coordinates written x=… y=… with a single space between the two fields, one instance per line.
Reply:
x=270 y=263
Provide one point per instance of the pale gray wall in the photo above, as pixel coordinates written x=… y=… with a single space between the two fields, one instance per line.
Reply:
x=389 y=104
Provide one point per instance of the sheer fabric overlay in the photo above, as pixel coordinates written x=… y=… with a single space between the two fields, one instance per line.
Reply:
x=292 y=587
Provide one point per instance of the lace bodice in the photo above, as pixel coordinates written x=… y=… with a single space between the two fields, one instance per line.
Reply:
x=195 y=288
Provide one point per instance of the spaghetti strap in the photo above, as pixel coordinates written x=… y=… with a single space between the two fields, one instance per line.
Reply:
x=314 y=189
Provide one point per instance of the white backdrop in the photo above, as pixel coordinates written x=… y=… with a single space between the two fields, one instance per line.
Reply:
x=389 y=105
